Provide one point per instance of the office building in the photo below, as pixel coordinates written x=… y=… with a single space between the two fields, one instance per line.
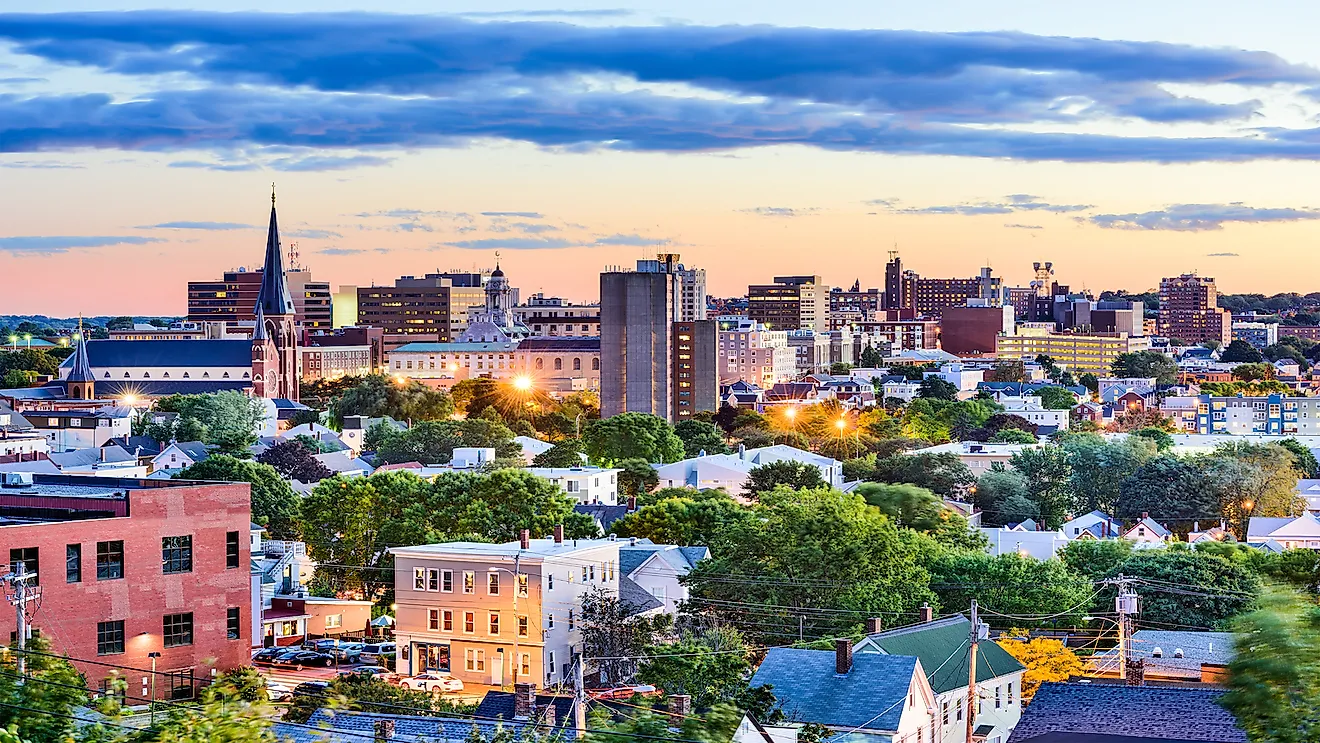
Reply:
x=1190 y=311
x=436 y=304
x=343 y=306
x=791 y=303
x=903 y=335
x=352 y=337
x=233 y=298
x=150 y=566
x=853 y=305
x=555 y=316
x=974 y=329
x=1077 y=352
x=751 y=352
x=1258 y=334
x=637 y=313
x=695 y=368
x=907 y=293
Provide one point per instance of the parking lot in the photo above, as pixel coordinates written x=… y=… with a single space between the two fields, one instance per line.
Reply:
x=291 y=676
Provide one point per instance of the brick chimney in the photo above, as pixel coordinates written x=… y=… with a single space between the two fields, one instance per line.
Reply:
x=1144 y=515
x=559 y=533
x=525 y=539
x=549 y=718
x=632 y=503
x=873 y=626
x=1136 y=672
x=680 y=706
x=842 y=656
x=925 y=613
x=384 y=730
x=524 y=700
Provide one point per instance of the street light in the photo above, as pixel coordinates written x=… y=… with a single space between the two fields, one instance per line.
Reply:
x=1247 y=505
x=522 y=383
x=153 y=656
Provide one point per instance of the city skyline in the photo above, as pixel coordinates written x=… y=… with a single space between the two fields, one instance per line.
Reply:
x=1123 y=152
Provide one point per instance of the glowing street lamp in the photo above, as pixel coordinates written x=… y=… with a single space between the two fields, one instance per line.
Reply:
x=841 y=424
x=790 y=413
x=130 y=400
x=522 y=383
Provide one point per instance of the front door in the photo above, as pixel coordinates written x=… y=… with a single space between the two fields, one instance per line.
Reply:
x=497 y=668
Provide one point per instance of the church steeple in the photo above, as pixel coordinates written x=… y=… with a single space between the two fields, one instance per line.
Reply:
x=81 y=383
x=274 y=298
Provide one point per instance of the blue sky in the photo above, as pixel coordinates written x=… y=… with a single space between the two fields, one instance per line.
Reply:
x=753 y=139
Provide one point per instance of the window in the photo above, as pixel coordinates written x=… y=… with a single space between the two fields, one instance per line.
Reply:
x=73 y=563
x=998 y=701
x=446 y=581
x=433 y=620
x=178 y=630
x=522 y=626
x=550 y=581
x=433 y=579
x=577 y=364
x=550 y=662
x=110 y=637
x=334 y=621
x=231 y=550
x=176 y=554
x=27 y=557
x=180 y=684
x=526 y=665
x=958 y=708
x=494 y=623
x=476 y=659
x=469 y=581
x=592 y=570
x=522 y=585
x=658 y=592
x=550 y=622
x=570 y=619
x=419 y=579
x=234 y=622
x=469 y=622
x=446 y=621
x=109 y=560
x=1010 y=693
x=559 y=364
x=944 y=713
x=584 y=573
x=492 y=584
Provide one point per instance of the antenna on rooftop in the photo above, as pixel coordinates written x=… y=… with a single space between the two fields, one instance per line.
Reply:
x=293 y=257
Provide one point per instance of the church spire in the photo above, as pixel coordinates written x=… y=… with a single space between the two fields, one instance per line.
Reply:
x=81 y=370
x=274 y=298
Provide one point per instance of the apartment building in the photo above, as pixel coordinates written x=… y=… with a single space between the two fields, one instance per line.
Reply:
x=791 y=303
x=233 y=299
x=1190 y=311
x=554 y=316
x=437 y=303
x=850 y=306
x=1078 y=352
x=150 y=566
x=695 y=368
x=596 y=485
x=1271 y=414
x=498 y=613
x=752 y=352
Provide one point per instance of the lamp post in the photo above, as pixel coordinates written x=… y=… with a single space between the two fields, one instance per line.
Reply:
x=152 y=702
x=1247 y=505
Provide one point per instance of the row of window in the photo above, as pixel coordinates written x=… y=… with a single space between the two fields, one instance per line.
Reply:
x=435 y=579
x=442 y=620
x=176 y=556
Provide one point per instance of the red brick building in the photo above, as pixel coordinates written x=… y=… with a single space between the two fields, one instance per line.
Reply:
x=128 y=567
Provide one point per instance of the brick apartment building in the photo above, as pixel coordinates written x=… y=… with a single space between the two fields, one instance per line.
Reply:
x=127 y=567
x=233 y=299
x=1190 y=311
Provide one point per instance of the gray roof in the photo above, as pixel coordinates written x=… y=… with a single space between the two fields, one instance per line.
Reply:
x=635 y=598
x=196 y=450
x=1139 y=712
x=604 y=515
x=869 y=697
x=499 y=705
x=16 y=421
x=1213 y=648
x=326 y=726
x=82 y=457
x=682 y=559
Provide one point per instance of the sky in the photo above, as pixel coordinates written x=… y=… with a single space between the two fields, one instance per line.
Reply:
x=138 y=142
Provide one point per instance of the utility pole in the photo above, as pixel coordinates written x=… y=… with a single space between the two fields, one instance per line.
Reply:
x=1126 y=604
x=975 y=637
x=517 y=622
x=799 y=629
x=579 y=701
x=16 y=587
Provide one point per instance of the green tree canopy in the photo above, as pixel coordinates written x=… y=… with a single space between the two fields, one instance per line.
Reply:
x=1170 y=488
x=995 y=489
x=274 y=504
x=566 y=453
x=1009 y=584
x=228 y=419
x=1048 y=474
x=935 y=388
x=1056 y=398
x=1240 y=352
x=1162 y=439
x=1145 y=364
x=377 y=395
x=943 y=474
x=785 y=473
x=686 y=517
x=708 y=664
x=40 y=709
x=295 y=461
x=1274 y=678
x=631 y=436
x=1208 y=591
x=698 y=436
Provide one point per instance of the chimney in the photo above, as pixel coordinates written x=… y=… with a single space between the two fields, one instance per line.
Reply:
x=559 y=533
x=1136 y=672
x=103 y=454
x=842 y=656
x=384 y=730
x=632 y=503
x=873 y=626
x=524 y=700
x=524 y=539
x=742 y=451
x=549 y=717
x=680 y=706
x=1196 y=526
x=925 y=613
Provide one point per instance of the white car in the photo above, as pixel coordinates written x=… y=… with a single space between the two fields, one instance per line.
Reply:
x=277 y=692
x=433 y=682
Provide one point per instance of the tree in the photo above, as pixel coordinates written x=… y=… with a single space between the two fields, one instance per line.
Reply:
x=943 y=474
x=30 y=359
x=1274 y=677
x=1210 y=589
x=637 y=477
x=119 y=323
x=274 y=505
x=363 y=694
x=1145 y=364
x=1056 y=398
x=1162 y=439
x=1090 y=382
x=1095 y=559
x=346 y=521
x=933 y=387
x=1136 y=420
x=377 y=395
x=305 y=418
x=17 y=378
x=1045 y=658
x=707 y=663
x=1048 y=475
x=295 y=461
x=631 y=436
x=1170 y=488
x=566 y=453
x=1099 y=468
x=228 y=419
x=1009 y=584
x=1253 y=372
x=840 y=368
x=1264 y=475
x=870 y=358
x=1304 y=459
x=699 y=436
x=995 y=489
x=919 y=509
x=1012 y=436
x=40 y=710
x=495 y=506
x=428 y=442
x=786 y=473
x=688 y=517
x=1240 y=352
x=615 y=633
x=811 y=548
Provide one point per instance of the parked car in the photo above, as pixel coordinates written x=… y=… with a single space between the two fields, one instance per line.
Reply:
x=349 y=652
x=311 y=689
x=305 y=658
x=277 y=692
x=372 y=653
x=623 y=692
x=263 y=657
x=433 y=682
x=379 y=673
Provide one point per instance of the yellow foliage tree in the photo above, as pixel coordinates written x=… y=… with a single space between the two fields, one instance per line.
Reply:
x=1045 y=659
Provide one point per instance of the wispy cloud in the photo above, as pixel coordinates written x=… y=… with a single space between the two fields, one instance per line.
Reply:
x=636 y=241
x=51 y=244
x=216 y=226
x=350 y=251
x=780 y=211
x=414 y=214
x=310 y=233
x=41 y=165
x=1221 y=255
x=514 y=243
x=224 y=167
x=1200 y=217
x=1016 y=226
x=21 y=80
x=521 y=215
x=322 y=163
x=1008 y=205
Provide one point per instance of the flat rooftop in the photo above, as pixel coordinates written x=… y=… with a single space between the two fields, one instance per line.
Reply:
x=87 y=487
x=536 y=548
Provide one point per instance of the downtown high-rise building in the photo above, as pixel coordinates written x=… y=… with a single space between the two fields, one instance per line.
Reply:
x=1190 y=311
x=791 y=303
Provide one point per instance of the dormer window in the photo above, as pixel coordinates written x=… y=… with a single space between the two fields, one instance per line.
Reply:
x=185 y=375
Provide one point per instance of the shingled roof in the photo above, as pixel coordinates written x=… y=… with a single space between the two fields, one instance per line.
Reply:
x=1133 y=714
x=869 y=697
x=941 y=645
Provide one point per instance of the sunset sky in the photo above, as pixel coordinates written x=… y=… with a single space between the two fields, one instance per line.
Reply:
x=1123 y=141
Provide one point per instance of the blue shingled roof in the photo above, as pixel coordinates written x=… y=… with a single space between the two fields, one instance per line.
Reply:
x=326 y=726
x=113 y=353
x=1137 y=712
x=869 y=697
